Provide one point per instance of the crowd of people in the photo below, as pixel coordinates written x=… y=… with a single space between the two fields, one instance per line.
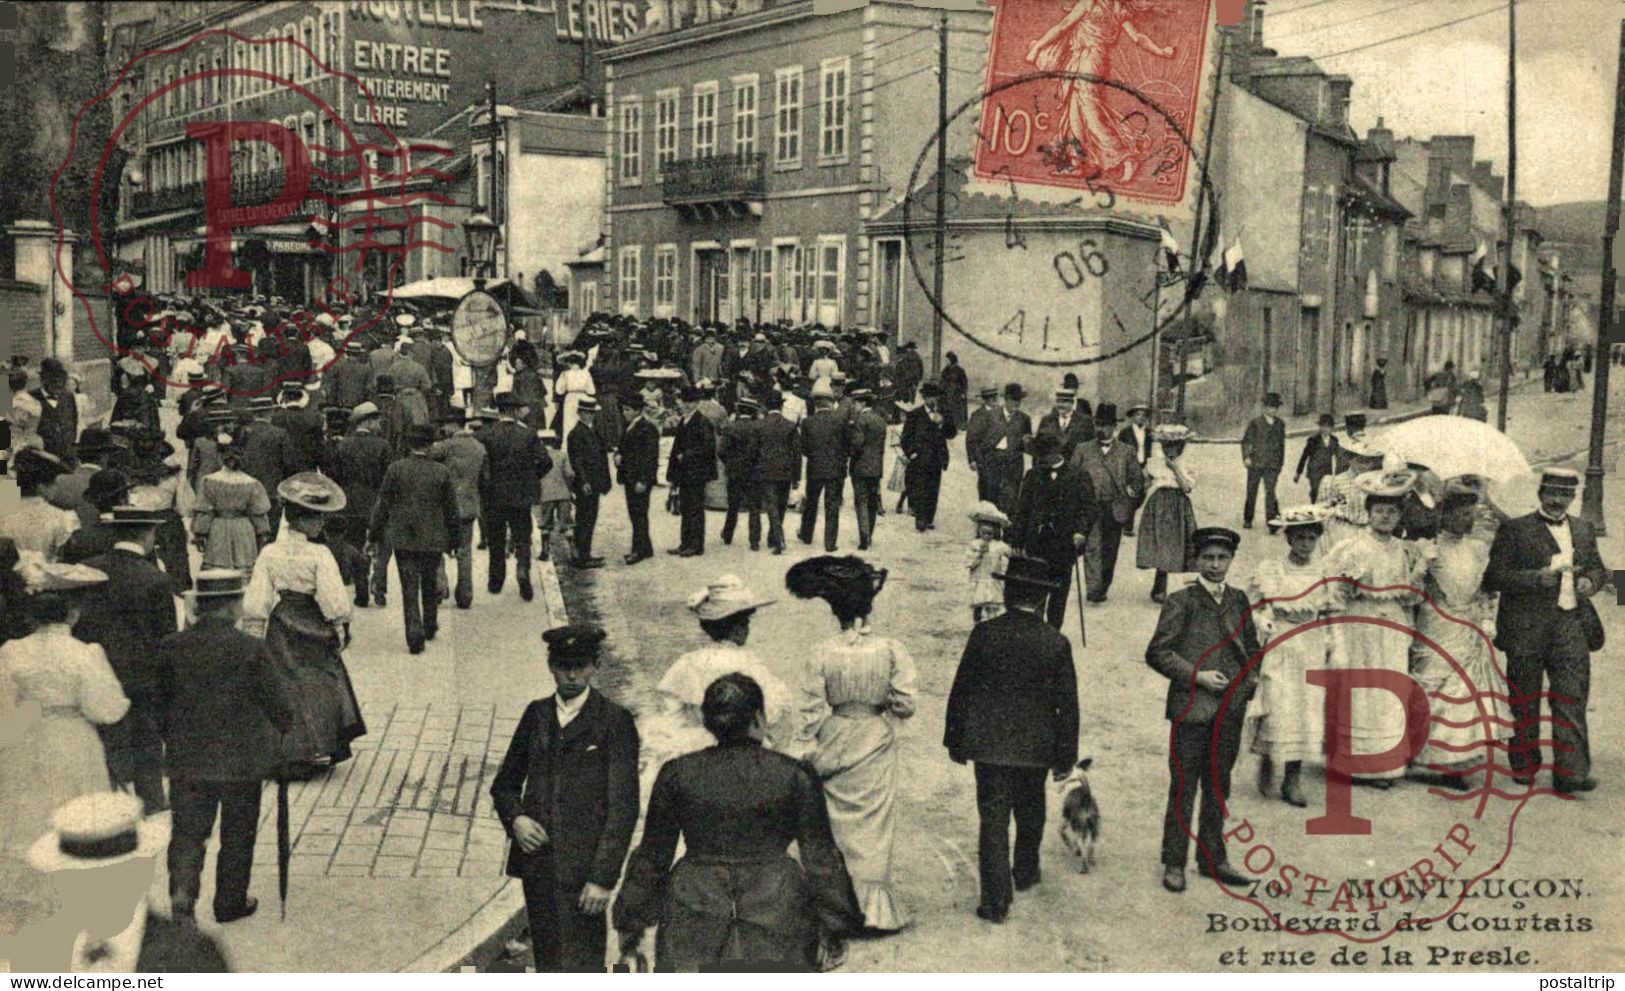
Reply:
x=304 y=460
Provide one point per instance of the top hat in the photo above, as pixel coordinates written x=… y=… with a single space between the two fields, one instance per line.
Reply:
x=1204 y=536
x=1105 y=413
x=1024 y=570
x=575 y=645
x=725 y=597
x=312 y=490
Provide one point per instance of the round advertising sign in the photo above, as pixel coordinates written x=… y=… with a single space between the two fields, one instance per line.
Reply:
x=479 y=329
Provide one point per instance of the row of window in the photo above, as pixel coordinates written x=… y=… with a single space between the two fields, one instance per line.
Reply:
x=181 y=163
x=789 y=280
x=705 y=131
x=203 y=81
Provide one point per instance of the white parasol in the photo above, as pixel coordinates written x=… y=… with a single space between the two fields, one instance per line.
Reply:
x=1455 y=445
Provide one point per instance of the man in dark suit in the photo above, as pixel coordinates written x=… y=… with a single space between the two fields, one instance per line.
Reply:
x=736 y=449
x=1119 y=485
x=866 y=440
x=693 y=463
x=358 y=463
x=304 y=427
x=640 y=469
x=348 y=381
x=567 y=793
x=417 y=510
x=1546 y=567
x=1005 y=452
x=223 y=708
x=464 y=456
x=778 y=466
x=1053 y=516
x=1013 y=712
x=268 y=455
x=1072 y=425
x=1186 y=650
x=515 y=463
x=926 y=433
x=1263 y=452
x=1319 y=457
x=977 y=431
x=824 y=442
x=127 y=617
x=590 y=464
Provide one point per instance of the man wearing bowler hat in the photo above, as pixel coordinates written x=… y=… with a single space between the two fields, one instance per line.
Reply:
x=1006 y=448
x=1546 y=567
x=464 y=456
x=978 y=429
x=1054 y=513
x=1013 y=712
x=867 y=443
x=1263 y=452
x=1072 y=425
x=589 y=466
x=1202 y=644
x=567 y=793
x=692 y=464
x=358 y=464
x=925 y=437
x=1119 y=485
x=223 y=710
x=417 y=513
x=127 y=618
x=516 y=460
x=640 y=468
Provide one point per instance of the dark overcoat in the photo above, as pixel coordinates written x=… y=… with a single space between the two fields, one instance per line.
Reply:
x=693 y=452
x=640 y=454
x=866 y=439
x=1054 y=505
x=515 y=461
x=778 y=450
x=824 y=442
x=223 y=704
x=926 y=443
x=1014 y=699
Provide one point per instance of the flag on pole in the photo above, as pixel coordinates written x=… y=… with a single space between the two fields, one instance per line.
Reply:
x=1170 y=251
x=1235 y=267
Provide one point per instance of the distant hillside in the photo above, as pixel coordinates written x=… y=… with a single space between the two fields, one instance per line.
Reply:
x=1578 y=228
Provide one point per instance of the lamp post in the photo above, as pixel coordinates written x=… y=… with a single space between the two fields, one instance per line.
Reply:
x=482 y=235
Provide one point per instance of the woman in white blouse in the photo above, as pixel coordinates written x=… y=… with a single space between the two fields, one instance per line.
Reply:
x=297 y=601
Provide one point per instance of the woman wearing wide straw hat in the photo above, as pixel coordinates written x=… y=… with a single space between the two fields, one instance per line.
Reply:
x=57 y=690
x=297 y=601
x=1292 y=592
x=853 y=689
x=724 y=609
x=1168 y=521
x=1374 y=559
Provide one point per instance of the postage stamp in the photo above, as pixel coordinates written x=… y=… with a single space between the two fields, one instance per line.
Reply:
x=1079 y=118
x=1371 y=861
x=348 y=185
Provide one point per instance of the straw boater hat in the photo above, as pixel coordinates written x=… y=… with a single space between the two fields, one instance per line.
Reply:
x=98 y=830
x=312 y=490
x=293 y=397
x=725 y=597
x=1302 y=517
x=131 y=516
x=586 y=404
x=218 y=583
x=986 y=512
x=364 y=410
x=1565 y=479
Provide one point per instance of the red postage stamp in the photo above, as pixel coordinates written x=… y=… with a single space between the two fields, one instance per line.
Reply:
x=1095 y=94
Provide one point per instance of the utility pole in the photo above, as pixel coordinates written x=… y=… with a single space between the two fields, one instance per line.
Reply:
x=1591 y=505
x=491 y=94
x=1199 y=260
x=1509 y=213
x=941 y=234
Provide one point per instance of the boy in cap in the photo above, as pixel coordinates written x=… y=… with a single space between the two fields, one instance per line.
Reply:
x=1263 y=452
x=1194 y=649
x=1320 y=455
x=1546 y=567
x=567 y=793
x=223 y=710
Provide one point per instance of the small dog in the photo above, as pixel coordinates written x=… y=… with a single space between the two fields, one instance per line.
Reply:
x=1080 y=816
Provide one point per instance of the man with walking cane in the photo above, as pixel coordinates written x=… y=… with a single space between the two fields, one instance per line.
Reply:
x=1054 y=512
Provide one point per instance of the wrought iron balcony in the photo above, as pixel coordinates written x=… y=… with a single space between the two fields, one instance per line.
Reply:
x=246 y=190
x=723 y=183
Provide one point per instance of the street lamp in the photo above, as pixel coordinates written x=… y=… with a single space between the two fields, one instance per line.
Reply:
x=483 y=235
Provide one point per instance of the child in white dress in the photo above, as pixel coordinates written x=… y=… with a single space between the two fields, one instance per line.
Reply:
x=987 y=555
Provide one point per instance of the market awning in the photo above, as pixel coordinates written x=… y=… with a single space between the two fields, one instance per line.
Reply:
x=452 y=288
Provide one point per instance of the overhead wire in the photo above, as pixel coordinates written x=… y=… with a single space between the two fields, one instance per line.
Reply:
x=1409 y=35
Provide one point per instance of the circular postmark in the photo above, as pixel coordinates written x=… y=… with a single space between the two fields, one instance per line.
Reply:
x=319 y=189
x=1066 y=340
x=1359 y=863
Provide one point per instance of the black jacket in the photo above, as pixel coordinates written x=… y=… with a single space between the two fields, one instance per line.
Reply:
x=585 y=448
x=1264 y=444
x=866 y=440
x=1189 y=631
x=926 y=443
x=268 y=455
x=737 y=446
x=1050 y=510
x=693 y=452
x=1318 y=457
x=778 y=450
x=305 y=431
x=580 y=783
x=358 y=463
x=417 y=507
x=824 y=442
x=515 y=461
x=1080 y=429
x=1014 y=699
x=640 y=454
x=222 y=704
x=1522 y=548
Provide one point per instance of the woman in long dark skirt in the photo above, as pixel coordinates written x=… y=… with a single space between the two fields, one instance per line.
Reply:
x=297 y=601
x=737 y=897
x=1168 y=521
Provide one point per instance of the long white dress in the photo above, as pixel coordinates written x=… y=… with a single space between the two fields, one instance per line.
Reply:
x=1291 y=711
x=572 y=384
x=59 y=757
x=1377 y=718
x=1467 y=691
x=853 y=690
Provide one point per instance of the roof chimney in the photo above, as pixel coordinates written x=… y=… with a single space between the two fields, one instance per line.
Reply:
x=1255 y=23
